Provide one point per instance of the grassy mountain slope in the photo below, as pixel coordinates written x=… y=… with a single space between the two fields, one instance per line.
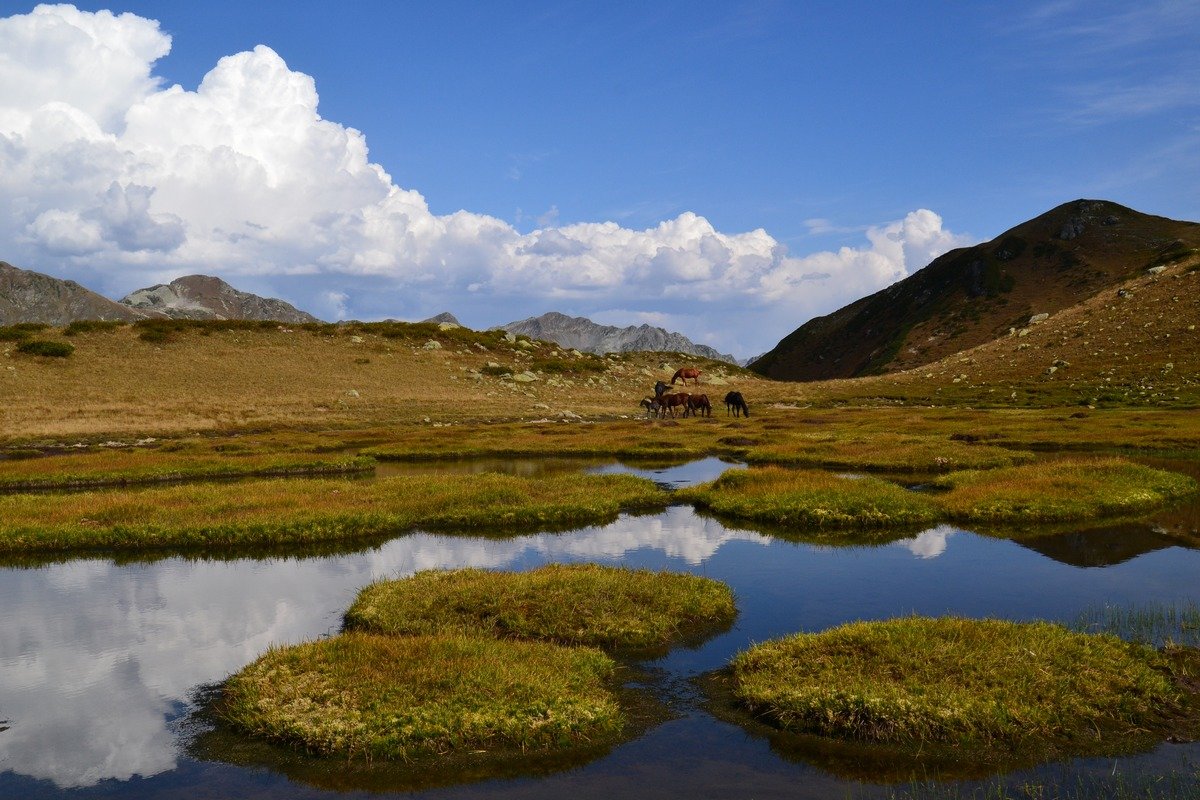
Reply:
x=1135 y=343
x=974 y=295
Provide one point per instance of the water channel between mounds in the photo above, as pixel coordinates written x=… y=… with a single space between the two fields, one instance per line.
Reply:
x=103 y=664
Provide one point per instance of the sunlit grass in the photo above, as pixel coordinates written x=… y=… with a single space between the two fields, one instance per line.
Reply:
x=1060 y=490
x=586 y=604
x=128 y=466
x=979 y=684
x=811 y=498
x=296 y=511
x=363 y=696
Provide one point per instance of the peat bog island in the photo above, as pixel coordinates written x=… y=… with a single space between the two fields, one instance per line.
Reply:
x=940 y=540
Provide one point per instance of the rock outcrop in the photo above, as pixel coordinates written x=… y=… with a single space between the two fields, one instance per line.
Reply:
x=581 y=333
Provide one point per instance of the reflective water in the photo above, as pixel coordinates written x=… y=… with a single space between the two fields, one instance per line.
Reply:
x=100 y=662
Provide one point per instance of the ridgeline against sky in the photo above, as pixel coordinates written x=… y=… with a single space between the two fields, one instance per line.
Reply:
x=727 y=173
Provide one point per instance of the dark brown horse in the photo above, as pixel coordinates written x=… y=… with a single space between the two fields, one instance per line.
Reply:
x=684 y=373
x=669 y=402
x=736 y=404
x=698 y=404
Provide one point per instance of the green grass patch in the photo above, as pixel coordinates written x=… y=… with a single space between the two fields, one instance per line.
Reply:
x=1060 y=490
x=985 y=687
x=811 y=499
x=129 y=467
x=301 y=510
x=586 y=604
x=47 y=349
x=362 y=696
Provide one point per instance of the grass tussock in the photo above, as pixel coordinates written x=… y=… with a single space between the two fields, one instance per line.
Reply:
x=129 y=466
x=362 y=696
x=613 y=608
x=1067 y=489
x=300 y=511
x=986 y=684
x=811 y=498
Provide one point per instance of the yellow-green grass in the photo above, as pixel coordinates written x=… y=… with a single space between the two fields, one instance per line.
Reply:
x=363 y=696
x=586 y=604
x=303 y=510
x=884 y=451
x=811 y=499
x=1066 y=489
x=988 y=687
x=130 y=466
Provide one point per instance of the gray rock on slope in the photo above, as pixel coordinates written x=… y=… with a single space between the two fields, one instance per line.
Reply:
x=27 y=296
x=583 y=334
x=207 y=297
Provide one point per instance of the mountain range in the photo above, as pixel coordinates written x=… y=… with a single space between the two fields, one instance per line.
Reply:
x=581 y=333
x=1066 y=260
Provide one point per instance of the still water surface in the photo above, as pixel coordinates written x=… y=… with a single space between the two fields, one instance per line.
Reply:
x=102 y=664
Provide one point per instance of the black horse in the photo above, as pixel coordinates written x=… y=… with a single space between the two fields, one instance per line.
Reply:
x=660 y=388
x=736 y=404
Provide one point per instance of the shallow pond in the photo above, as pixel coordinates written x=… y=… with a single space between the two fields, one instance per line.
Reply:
x=102 y=664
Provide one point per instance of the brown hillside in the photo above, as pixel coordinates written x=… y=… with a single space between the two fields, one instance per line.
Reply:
x=1133 y=344
x=974 y=295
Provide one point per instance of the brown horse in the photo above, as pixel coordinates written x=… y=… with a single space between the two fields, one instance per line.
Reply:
x=698 y=404
x=668 y=402
x=684 y=373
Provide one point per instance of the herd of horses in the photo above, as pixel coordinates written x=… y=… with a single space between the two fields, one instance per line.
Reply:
x=666 y=402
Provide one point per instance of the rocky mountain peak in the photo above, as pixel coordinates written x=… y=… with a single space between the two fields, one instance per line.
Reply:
x=209 y=297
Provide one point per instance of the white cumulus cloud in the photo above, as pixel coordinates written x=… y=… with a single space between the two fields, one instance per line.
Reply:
x=108 y=175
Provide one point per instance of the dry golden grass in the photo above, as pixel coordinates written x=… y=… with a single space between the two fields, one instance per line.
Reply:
x=116 y=384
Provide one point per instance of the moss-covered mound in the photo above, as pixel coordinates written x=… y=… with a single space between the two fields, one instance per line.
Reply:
x=582 y=604
x=363 y=696
x=811 y=498
x=986 y=686
x=1060 y=490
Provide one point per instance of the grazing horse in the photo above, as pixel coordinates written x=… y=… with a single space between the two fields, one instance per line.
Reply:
x=735 y=403
x=684 y=373
x=697 y=404
x=651 y=405
x=668 y=402
x=659 y=388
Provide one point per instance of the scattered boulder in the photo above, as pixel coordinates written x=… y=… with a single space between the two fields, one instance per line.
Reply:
x=433 y=344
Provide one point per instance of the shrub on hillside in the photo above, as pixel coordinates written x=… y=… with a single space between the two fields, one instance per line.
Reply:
x=92 y=326
x=40 y=347
x=20 y=331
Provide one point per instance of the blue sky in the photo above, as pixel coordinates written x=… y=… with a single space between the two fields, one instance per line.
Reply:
x=826 y=125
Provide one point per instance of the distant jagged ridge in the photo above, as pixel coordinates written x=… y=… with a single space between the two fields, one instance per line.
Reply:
x=208 y=297
x=27 y=296
x=582 y=334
